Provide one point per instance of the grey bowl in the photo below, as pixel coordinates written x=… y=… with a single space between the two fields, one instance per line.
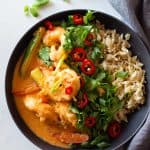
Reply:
x=138 y=48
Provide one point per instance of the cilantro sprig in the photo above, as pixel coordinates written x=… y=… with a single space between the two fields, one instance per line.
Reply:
x=44 y=55
x=75 y=36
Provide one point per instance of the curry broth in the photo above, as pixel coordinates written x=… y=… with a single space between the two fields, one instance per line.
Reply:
x=41 y=129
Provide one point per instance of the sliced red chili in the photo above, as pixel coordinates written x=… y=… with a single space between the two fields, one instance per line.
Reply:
x=88 y=40
x=84 y=102
x=114 y=129
x=90 y=121
x=88 y=67
x=78 y=19
x=68 y=90
x=49 y=25
x=78 y=54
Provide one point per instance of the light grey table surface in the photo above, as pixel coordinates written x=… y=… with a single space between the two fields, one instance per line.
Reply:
x=13 y=24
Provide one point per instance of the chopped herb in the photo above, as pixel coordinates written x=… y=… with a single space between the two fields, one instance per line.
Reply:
x=122 y=74
x=88 y=17
x=103 y=144
x=75 y=36
x=74 y=109
x=98 y=139
x=97 y=54
x=44 y=55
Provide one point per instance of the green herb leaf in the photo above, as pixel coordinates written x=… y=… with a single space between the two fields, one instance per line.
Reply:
x=91 y=83
x=122 y=74
x=88 y=17
x=75 y=36
x=103 y=144
x=44 y=55
x=97 y=54
x=101 y=75
x=98 y=139
x=74 y=109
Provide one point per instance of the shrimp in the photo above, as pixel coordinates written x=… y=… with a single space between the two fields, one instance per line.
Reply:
x=44 y=111
x=51 y=112
x=65 y=115
x=60 y=81
x=71 y=138
x=54 y=37
x=55 y=40
x=56 y=54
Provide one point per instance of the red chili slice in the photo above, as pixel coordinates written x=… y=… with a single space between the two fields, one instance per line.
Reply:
x=78 y=19
x=84 y=102
x=68 y=90
x=88 y=67
x=114 y=129
x=90 y=121
x=78 y=54
x=88 y=40
x=49 y=25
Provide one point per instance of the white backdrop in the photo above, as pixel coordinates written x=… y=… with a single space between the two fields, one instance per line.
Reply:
x=13 y=24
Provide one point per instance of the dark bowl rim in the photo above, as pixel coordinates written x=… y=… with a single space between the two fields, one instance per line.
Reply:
x=32 y=27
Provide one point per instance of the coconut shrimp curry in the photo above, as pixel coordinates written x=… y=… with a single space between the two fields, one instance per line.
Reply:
x=62 y=92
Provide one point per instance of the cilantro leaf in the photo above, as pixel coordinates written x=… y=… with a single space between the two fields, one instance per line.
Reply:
x=122 y=74
x=88 y=17
x=44 y=55
x=90 y=83
x=97 y=54
x=75 y=36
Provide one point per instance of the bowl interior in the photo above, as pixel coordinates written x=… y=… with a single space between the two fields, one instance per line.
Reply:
x=137 y=47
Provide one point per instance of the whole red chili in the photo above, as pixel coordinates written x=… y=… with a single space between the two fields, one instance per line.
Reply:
x=90 y=121
x=78 y=54
x=77 y=19
x=49 y=25
x=88 y=39
x=68 y=90
x=88 y=67
x=114 y=129
x=83 y=103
